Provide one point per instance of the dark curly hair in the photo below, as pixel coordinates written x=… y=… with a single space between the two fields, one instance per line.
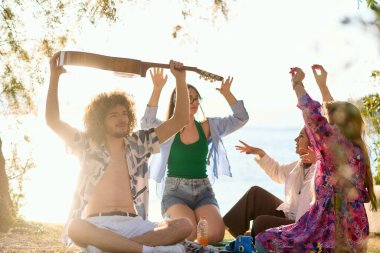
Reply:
x=96 y=111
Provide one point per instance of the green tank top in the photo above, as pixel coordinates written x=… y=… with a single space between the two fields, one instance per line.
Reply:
x=188 y=160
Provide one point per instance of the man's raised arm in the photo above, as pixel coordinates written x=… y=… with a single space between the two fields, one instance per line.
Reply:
x=182 y=106
x=52 y=116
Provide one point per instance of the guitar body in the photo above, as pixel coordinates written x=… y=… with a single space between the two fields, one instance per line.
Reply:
x=122 y=65
x=116 y=64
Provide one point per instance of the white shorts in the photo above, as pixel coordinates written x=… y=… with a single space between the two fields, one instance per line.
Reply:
x=125 y=226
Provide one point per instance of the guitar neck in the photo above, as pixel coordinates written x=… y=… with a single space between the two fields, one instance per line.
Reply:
x=147 y=65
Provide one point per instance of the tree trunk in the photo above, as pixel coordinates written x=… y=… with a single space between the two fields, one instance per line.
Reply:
x=6 y=208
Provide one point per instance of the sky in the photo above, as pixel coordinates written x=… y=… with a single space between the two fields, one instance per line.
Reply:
x=257 y=45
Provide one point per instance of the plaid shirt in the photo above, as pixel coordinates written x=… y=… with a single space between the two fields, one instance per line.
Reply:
x=94 y=160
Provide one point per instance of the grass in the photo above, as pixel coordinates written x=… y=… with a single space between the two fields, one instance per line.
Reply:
x=44 y=238
x=33 y=237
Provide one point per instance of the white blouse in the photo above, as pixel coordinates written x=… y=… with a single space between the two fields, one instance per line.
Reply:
x=299 y=193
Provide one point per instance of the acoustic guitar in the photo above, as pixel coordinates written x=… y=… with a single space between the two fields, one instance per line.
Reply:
x=122 y=65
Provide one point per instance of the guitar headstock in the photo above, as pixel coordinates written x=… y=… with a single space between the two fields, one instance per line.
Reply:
x=209 y=76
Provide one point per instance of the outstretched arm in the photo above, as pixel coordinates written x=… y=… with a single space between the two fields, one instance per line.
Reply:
x=225 y=90
x=52 y=116
x=297 y=81
x=182 y=107
x=272 y=168
x=159 y=82
x=320 y=76
x=226 y=125
x=149 y=119
x=245 y=148
x=318 y=127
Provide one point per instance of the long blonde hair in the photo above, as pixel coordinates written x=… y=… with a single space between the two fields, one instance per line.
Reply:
x=351 y=125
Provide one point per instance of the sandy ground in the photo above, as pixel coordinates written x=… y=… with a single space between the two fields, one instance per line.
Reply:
x=44 y=238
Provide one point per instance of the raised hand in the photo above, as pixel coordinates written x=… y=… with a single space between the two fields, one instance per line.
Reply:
x=55 y=69
x=225 y=90
x=321 y=78
x=320 y=74
x=225 y=87
x=250 y=150
x=309 y=155
x=297 y=74
x=177 y=70
x=297 y=77
x=181 y=113
x=158 y=78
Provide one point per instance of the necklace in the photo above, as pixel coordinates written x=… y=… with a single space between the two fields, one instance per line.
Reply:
x=305 y=173
x=305 y=169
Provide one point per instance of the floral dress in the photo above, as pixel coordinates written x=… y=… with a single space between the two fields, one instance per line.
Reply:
x=337 y=219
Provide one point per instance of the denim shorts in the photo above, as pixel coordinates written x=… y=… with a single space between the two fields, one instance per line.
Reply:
x=193 y=193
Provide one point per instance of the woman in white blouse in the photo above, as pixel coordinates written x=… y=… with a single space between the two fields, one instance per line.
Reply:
x=265 y=209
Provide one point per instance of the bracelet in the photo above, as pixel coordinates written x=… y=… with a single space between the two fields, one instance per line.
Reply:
x=297 y=83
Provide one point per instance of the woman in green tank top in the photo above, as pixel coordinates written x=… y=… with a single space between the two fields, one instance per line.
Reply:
x=188 y=160
x=188 y=192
